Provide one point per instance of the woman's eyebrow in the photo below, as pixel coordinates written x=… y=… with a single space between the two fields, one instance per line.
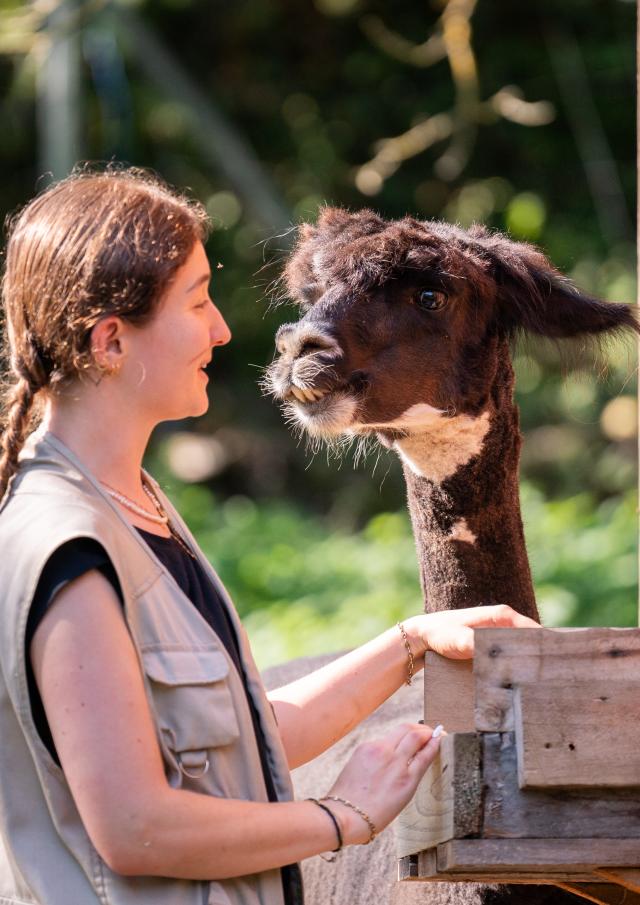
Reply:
x=205 y=278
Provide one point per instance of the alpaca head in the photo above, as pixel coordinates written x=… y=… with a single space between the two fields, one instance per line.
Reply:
x=407 y=322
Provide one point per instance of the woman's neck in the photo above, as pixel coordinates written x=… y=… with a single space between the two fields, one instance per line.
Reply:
x=111 y=445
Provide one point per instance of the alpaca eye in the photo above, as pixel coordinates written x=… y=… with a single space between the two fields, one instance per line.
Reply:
x=430 y=299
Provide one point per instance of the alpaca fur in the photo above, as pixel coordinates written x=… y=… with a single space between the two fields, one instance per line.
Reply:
x=405 y=335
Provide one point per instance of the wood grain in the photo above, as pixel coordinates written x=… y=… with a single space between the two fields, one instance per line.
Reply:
x=447 y=803
x=506 y=658
x=629 y=878
x=602 y=893
x=583 y=734
x=536 y=855
x=448 y=693
x=512 y=812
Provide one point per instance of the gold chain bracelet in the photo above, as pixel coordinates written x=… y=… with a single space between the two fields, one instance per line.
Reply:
x=354 y=807
x=409 y=653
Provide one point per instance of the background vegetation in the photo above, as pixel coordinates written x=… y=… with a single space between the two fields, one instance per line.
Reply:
x=519 y=116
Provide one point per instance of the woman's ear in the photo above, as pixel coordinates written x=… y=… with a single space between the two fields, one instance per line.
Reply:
x=106 y=344
x=534 y=297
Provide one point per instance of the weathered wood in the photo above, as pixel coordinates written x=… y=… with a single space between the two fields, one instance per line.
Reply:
x=511 y=812
x=407 y=868
x=574 y=735
x=448 y=693
x=428 y=872
x=602 y=893
x=447 y=803
x=533 y=855
x=629 y=878
x=506 y=657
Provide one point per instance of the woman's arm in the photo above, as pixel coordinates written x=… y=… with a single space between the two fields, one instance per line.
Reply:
x=315 y=711
x=89 y=678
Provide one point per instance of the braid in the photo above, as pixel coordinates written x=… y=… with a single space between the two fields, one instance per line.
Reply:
x=19 y=404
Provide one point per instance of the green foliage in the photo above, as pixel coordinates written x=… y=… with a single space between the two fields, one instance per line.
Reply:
x=309 y=91
x=304 y=587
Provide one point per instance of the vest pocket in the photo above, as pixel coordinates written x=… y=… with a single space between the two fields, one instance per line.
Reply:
x=193 y=703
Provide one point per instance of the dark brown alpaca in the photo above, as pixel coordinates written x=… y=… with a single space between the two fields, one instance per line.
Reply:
x=406 y=335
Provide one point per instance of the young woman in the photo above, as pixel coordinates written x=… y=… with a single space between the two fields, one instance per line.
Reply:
x=141 y=760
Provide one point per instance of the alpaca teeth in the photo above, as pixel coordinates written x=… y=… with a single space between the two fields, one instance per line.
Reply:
x=307 y=394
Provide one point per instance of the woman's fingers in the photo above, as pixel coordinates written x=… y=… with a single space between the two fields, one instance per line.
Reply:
x=423 y=758
x=413 y=740
x=451 y=633
x=498 y=615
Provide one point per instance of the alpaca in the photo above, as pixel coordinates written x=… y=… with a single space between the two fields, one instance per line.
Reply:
x=405 y=336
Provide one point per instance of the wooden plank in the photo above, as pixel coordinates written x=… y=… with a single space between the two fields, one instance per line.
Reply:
x=427 y=864
x=629 y=878
x=507 y=657
x=511 y=812
x=447 y=803
x=533 y=855
x=448 y=693
x=578 y=735
x=602 y=893
x=428 y=872
x=407 y=868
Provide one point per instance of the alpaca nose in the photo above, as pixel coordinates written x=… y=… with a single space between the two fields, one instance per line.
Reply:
x=297 y=340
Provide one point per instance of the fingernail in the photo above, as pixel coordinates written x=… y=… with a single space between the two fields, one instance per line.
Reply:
x=437 y=732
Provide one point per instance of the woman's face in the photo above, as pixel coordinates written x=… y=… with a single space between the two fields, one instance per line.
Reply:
x=165 y=359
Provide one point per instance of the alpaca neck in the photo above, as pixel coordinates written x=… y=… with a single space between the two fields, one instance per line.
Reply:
x=462 y=486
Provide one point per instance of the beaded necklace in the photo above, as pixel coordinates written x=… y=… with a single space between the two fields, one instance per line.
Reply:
x=161 y=518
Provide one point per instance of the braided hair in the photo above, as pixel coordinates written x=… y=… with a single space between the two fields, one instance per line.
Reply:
x=92 y=245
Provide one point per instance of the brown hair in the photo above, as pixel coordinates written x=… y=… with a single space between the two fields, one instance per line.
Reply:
x=91 y=245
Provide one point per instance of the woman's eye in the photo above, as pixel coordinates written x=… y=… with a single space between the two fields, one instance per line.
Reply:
x=430 y=299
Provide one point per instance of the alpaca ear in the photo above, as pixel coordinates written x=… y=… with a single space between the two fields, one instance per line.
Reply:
x=534 y=297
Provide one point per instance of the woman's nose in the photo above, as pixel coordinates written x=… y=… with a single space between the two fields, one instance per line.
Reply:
x=220 y=332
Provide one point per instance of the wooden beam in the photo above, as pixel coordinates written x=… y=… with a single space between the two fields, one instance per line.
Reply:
x=602 y=893
x=447 y=803
x=536 y=855
x=629 y=878
x=448 y=693
x=512 y=812
x=506 y=658
x=428 y=872
x=578 y=734
x=407 y=868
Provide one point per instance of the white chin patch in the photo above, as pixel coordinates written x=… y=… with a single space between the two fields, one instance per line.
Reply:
x=336 y=417
x=436 y=446
x=418 y=417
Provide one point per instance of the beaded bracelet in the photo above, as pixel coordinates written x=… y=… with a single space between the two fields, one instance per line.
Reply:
x=409 y=653
x=333 y=818
x=372 y=827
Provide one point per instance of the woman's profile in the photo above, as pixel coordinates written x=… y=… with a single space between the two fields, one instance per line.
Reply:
x=142 y=761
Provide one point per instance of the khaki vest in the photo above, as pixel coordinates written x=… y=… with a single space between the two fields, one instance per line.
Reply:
x=196 y=696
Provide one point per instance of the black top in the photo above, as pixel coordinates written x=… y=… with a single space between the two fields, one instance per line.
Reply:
x=81 y=555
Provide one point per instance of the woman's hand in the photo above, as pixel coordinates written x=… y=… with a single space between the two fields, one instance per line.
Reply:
x=450 y=633
x=381 y=777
